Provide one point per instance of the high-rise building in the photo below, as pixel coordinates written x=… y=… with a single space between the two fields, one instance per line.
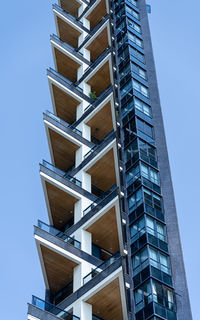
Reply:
x=111 y=249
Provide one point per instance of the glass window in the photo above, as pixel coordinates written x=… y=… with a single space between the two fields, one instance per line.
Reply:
x=150 y=174
x=126 y=70
x=123 y=55
x=136 y=54
x=139 y=71
x=140 y=88
x=156 y=228
x=151 y=199
x=135 y=39
x=134 y=25
x=143 y=107
x=135 y=200
x=163 y=295
x=125 y=90
x=132 y=12
x=143 y=296
x=120 y=27
x=132 y=175
x=134 y=2
x=159 y=260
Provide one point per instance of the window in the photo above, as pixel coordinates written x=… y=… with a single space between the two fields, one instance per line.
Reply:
x=123 y=55
x=139 y=71
x=135 y=39
x=134 y=25
x=134 y=2
x=147 y=152
x=120 y=27
x=150 y=174
x=143 y=107
x=136 y=54
x=140 y=88
x=135 y=200
x=125 y=90
x=131 y=151
x=152 y=200
x=163 y=295
x=159 y=261
x=132 y=12
x=126 y=70
x=122 y=40
x=145 y=128
x=132 y=175
x=140 y=261
x=156 y=229
x=143 y=296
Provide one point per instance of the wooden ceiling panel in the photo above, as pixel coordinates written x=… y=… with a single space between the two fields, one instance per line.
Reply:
x=65 y=105
x=71 y=6
x=64 y=151
x=97 y=14
x=67 y=33
x=104 y=232
x=101 y=124
x=61 y=205
x=59 y=269
x=106 y=304
x=99 y=44
x=103 y=172
x=100 y=80
x=66 y=66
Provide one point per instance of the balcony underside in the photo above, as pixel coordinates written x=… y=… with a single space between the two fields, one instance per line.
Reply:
x=101 y=123
x=97 y=14
x=103 y=172
x=71 y=6
x=58 y=269
x=63 y=150
x=67 y=33
x=61 y=206
x=101 y=79
x=105 y=232
x=65 y=104
x=99 y=44
x=66 y=66
x=106 y=303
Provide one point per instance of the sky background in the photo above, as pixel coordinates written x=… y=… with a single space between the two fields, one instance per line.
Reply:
x=25 y=55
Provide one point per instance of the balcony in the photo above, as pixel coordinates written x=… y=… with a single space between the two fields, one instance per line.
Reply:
x=72 y=7
x=94 y=12
x=64 y=140
x=65 y=46
x=69 y=28
x=98 y=40
x=40 y=309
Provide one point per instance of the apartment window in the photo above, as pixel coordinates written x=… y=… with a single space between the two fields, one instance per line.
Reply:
x=140 y=261
x=150 y=174
x=132 y=12
x=134 y=2
x=141 y=88
x=123 y=55
x=126 y=89
x=132 y=175
x=137 y=229
x=127 y=108
x=135 y=200
x=139 y=71
x=126 y=70
x=143 y=107
x=122 y=40
x=159 y=260
x=143 y=296
x=131 y=151
x=120 y=27
x=134 y=25
x=147 y=152
x=163 y=295
x=153 y=200
x=156 y=229
x=136 y=54
x=135 y=39
x=145 y=128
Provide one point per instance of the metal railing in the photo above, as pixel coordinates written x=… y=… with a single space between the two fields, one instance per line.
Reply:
x=46 y=306
x=62 y=235
x=66 y=80
x=64 y=123
x=101 y=143
x=61 y=173
x=100 y=268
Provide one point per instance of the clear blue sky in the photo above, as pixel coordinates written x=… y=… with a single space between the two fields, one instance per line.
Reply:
x=25 y=54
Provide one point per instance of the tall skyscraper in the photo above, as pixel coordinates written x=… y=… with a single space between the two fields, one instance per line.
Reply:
x=111 y=249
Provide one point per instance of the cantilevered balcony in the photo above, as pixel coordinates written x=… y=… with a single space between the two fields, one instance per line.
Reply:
x=55 y=40
x=98 y=39
x=104 y=290
x=72 y=6
x=95 y=11
x=69 y=29
x=101 y=77
x=41 y=309
x=64 y=140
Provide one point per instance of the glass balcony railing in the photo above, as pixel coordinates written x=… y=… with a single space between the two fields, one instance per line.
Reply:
x=100 y=144
x=100 y=268
x=64 y=123
x=65 y=44
x=46 y=306
x=67 y=81
x=61 y=173
x=67 y=14
x=59 y=234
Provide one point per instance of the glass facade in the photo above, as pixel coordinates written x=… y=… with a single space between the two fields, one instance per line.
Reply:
x=150 y=260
